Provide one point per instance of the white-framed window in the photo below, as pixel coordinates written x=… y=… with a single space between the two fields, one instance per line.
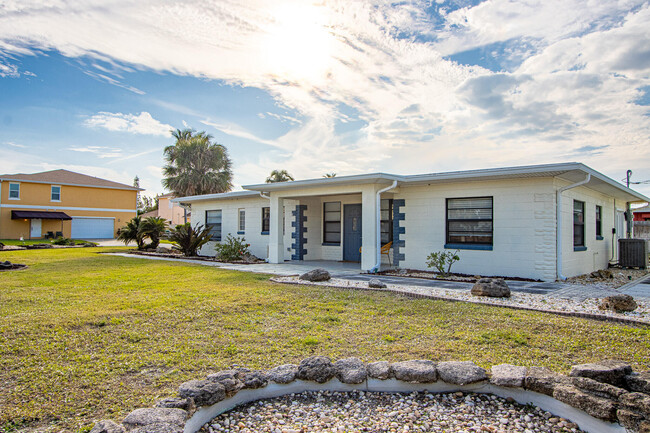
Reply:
x=55 y=194
x=242 y=220
x=14 y=191
x=213 y=221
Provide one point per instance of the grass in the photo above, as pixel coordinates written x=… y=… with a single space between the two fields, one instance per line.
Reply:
x=34 y=241
x=85 y=336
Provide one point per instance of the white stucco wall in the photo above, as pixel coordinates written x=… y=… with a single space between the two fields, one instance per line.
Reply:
x=523 y=224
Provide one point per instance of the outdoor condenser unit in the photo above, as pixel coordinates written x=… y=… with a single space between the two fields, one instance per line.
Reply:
x=633 y=253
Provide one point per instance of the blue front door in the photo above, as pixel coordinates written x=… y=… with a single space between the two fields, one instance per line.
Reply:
x=351 y=232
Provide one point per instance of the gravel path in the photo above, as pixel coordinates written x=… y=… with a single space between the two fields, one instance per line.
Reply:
x=517 y=299
x=358 y=411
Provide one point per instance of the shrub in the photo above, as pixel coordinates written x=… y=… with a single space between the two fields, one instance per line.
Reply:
x=188 y=239
x=441 y=259
x=232 y=248
x=153 y=228
x=131 y=233
x=63 y=241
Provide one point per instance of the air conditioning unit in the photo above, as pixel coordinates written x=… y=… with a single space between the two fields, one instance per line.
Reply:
x=633 y=253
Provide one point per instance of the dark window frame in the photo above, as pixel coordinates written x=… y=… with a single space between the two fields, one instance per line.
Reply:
x=580 y=225
x=388 y=221
x=340 y=222
x=448 y=221
x=241 y=223
x=213 y=236
x=599 y=222
x=266 y=220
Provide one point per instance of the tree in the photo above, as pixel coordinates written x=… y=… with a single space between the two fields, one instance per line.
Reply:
x=196 y=165
x=138 y=199
x=189 y=239
x=132 y=233
x=152 y=228
x=332 y=174
x=279 y=176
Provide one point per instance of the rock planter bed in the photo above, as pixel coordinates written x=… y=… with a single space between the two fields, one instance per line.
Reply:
x=588 y=308
x=430 y=275
x=602 y=397
x=8 y=266
x=171 y=254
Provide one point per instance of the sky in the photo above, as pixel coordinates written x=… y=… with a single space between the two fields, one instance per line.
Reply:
x=344 y=86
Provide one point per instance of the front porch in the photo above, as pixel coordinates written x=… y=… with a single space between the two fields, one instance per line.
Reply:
x=339 y=225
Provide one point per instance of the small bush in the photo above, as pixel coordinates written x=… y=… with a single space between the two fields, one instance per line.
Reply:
x=63 y=241
x=441 y=260
x=232 y=248
x=188 y=239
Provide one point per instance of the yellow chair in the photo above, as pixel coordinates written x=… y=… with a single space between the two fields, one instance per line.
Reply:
x=385 y=250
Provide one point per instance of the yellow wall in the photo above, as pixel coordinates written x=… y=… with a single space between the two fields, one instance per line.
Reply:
x=35 y=194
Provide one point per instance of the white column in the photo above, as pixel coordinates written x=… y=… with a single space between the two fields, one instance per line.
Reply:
x=369 y=239
x=276 y=240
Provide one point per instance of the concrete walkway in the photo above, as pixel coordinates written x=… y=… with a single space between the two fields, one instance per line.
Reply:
x=351 y=271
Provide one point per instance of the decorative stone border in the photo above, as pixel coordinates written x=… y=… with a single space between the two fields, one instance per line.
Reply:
x=601 y=317
x=604 y=397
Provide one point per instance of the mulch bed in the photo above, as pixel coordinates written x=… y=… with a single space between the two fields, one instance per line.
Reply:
x=13 y=267
x=429 y=275
x=198 y=258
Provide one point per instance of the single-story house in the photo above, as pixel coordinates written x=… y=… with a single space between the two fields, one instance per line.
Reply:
x=62 y=202
x=543 y=221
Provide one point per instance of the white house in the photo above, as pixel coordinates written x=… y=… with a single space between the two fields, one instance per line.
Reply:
x=543 y=221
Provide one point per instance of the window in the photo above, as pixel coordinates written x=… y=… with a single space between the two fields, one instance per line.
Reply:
x=14 y=191
x=266 y=220
x=578 y=223
x=386 y=220
x=213 y=221
x=469 y=221
x=599 y=223
x=332 y=223
x=242 y=220
x=56 y=193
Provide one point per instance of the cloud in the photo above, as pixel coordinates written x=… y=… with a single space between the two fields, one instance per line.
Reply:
x=100 y=151
x=12 y=144
x=142 y=123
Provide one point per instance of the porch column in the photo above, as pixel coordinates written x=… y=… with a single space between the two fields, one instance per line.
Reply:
x=369 y=239
x=276 y=241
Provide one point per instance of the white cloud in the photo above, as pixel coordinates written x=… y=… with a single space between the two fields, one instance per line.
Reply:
x=142 y=123
x=12 y=144
x=100 y=151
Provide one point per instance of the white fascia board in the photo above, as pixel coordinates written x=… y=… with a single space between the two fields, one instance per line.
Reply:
x=357 y=179
x=124 y=188
x=220 y=196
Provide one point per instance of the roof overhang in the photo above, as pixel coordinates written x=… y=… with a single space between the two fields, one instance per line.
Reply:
x=123 y=188
x=28 y=214
x=360 y=179
x=221 y=196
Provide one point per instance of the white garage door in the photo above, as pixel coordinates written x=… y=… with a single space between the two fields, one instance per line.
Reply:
x=92 y=228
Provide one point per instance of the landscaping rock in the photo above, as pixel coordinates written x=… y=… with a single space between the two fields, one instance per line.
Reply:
x=629 y=419
x=636 y=402
x=283 y=373
x=254 y=379
x=318 y=274
x=618 y=303
x=159 y=428
x=376 y=283
x=224 y=374
x=598 y=407
x=186 y=404
x=460 y=372
x=492 y=287
x=639 y=382
x=6 y=265
x=508 y=375
x=350 y=370
x=379 y=370
x=317 y=368
x=543 y=380
x=148 y=416
x=203 y=392
x=602 y=273
x=598 y=389
x=607 y=371
x=421 y=371
x=107 y=426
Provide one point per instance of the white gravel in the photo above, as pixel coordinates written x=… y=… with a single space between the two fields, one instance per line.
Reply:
x=517 y=299
x=358 y=411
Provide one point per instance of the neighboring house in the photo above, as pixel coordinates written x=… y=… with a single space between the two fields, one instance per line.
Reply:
x=173 y=212
x=503 y=221
x=62 y=202
x=642 y=214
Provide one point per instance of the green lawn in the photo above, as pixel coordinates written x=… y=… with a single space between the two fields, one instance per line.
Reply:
x=32 y=241
x=85 y=336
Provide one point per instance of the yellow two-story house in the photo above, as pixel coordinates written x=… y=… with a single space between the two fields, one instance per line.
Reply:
x=63 y=203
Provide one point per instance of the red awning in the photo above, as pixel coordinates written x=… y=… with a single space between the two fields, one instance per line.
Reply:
x=28 y=214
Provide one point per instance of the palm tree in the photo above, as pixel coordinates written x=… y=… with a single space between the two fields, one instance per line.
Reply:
x=132 y=233
x=189 y=239
x=153 y=228
x=279 y=176
x=196 y=165
x=332 y=174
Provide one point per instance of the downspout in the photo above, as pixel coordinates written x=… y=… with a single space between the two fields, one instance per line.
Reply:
x=264 y=196
x=558 y=230
x=378 y=215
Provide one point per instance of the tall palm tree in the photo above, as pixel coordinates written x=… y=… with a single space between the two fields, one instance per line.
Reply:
x=279 y=176
x=195 y=165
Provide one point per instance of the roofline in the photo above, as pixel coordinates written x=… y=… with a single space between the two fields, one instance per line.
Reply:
x=218 y=196
x=355 y=178
x=125 y=187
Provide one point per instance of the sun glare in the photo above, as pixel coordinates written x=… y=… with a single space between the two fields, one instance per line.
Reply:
x=298 y=43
